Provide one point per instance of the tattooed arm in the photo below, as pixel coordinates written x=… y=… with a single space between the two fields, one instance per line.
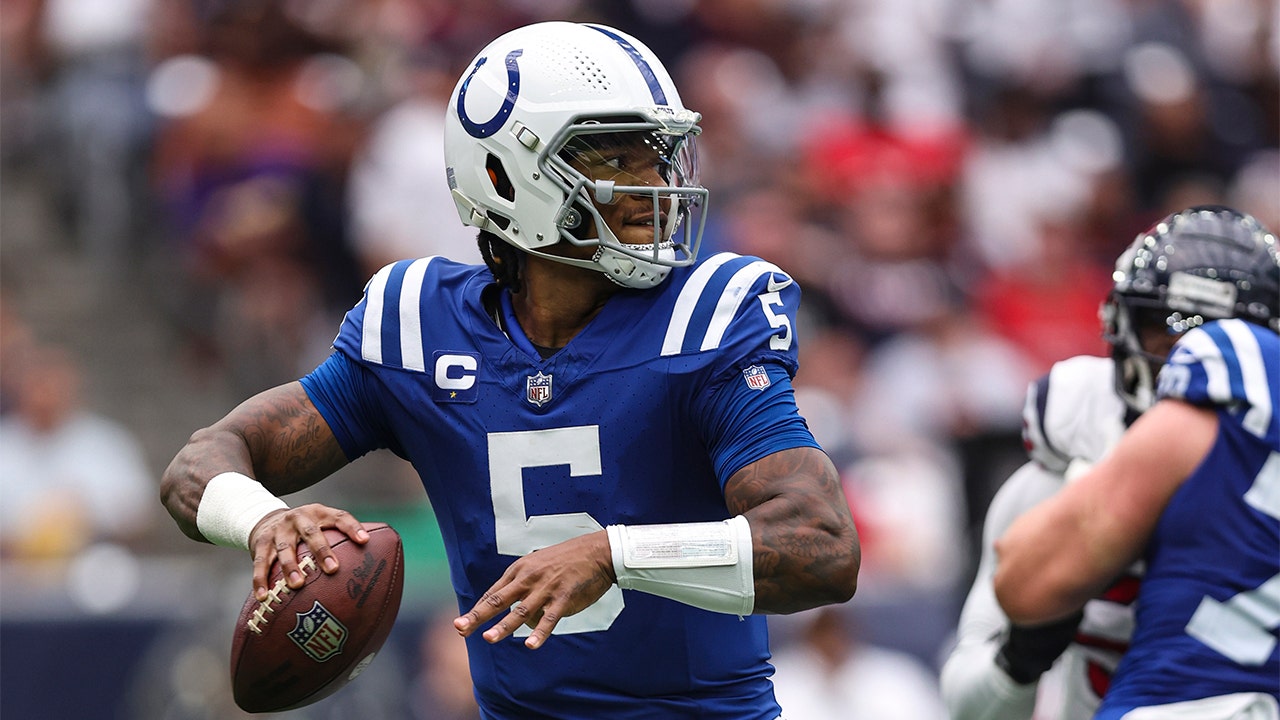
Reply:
x=278 y=438
x=806 y=550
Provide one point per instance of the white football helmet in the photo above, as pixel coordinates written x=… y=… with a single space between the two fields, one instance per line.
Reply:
x=542 y=95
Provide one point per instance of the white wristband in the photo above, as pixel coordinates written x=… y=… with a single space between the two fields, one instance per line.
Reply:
x=707 y=565
x=231 y=507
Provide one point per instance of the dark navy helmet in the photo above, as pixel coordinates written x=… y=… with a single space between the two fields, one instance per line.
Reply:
x=1205 y=263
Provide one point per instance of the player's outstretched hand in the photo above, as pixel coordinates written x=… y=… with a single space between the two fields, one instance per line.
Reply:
x=549 y=584
x=276 y=538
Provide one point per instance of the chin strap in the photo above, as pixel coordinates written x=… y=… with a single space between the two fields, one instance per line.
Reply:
x=631 y=272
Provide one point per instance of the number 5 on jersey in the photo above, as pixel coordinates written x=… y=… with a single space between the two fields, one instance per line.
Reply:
x=518 y=534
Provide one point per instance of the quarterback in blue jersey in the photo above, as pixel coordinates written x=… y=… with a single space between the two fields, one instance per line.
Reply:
x=603 y=422
x=1193 y=490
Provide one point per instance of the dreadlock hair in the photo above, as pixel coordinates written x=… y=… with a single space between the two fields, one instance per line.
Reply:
x=502 y=259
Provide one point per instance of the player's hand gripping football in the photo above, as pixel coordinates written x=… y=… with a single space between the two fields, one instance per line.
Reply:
x=549 y=584
x=276 y=538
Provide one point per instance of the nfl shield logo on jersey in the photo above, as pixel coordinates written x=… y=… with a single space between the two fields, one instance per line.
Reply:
x=537 y=389
x=757 y=377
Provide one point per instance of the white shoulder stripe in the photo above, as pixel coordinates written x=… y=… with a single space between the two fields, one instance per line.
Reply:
x=407 y=307
x=411 y=350
x=1202 y=346
x=371 y=334
x=1253 y=371
x=688 y=301
x=732 y=298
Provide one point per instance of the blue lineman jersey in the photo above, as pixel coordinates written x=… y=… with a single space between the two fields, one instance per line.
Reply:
x=1209 y=605
x=639 y=419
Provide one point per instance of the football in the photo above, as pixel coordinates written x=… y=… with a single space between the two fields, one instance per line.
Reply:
x=300 y=646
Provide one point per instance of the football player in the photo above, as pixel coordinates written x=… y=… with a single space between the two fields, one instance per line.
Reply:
x=603 y=422
x=1206 y=263
x=1192 y=490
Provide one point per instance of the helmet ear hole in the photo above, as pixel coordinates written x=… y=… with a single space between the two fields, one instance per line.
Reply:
x=498 y=176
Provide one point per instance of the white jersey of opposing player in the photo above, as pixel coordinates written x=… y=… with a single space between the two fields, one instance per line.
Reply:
x=1072 y=417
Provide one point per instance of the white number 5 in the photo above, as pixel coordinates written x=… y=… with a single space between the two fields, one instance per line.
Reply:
x=519 y=534
x=776 y=320
x=1239 y=628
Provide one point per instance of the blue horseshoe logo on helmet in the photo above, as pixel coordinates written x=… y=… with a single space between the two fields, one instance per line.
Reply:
x=485 y=129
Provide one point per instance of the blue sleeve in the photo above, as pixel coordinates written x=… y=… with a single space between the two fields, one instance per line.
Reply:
x=342 y=390
x=751 y=417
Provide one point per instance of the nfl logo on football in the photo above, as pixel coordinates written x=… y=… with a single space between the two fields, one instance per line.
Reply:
x=757 y=377
x=319 y=633
x=537 y=389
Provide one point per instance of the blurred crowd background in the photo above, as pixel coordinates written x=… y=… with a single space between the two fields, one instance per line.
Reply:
x=193 y=192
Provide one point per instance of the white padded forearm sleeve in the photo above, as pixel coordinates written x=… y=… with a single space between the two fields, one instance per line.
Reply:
x=707 y=565
x=232 y=506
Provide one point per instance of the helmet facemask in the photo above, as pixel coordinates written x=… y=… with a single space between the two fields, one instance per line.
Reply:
x=1126 y=320
x=597 y=163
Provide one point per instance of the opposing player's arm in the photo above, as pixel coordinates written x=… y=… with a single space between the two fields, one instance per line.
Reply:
x=974 y=685
x=1065 y=550
x=805 y=548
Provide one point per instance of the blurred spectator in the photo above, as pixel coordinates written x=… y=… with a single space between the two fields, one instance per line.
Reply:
x=830 y=368
x=1200 y=81
x=745 y=104
x=937 y=412
x=92 y=124
x=1020 y=171
x=771 y=223
x=1171 y=134
x=909 y=506
x=399 y=198
x=251 y=164
x=829 y=673
x=892 y=275
x=1047 y=305
x=16 y=341
x=68 y=476
x=1256 y=187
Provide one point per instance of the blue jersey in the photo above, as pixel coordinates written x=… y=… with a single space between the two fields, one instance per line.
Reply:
x=640 y=419
x=1209 y=605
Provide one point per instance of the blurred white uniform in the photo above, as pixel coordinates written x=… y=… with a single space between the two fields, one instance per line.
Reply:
x=1072 y=417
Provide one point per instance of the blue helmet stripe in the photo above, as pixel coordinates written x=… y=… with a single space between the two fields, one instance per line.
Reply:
x=655 y=88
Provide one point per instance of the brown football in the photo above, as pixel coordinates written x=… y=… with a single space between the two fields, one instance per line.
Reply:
x=303 y=645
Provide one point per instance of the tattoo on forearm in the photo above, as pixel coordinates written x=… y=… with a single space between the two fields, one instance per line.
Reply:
x=289 y=442
x=805 y=534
